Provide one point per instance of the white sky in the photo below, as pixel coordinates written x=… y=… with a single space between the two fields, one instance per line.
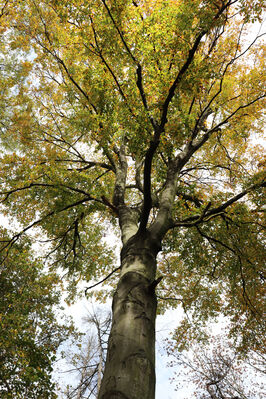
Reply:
x=164 y=325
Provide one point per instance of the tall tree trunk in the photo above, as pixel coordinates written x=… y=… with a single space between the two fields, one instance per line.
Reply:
x=130 y=365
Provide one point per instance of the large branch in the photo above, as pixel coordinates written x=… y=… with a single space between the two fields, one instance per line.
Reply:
x=207 y=108
x=161 y=223
x=9 y=243
x=187 y=63
x=183 y=158
x=99 y=53
x=147 y=202
x=128 y=217
x=58 y=59
x=143 y=96
x=190 y=198
x=167 y=197
x=120 y=33
x=121 y=175
x=182 y=71
x=209 y=213
x=77 y=190
x=136 y=62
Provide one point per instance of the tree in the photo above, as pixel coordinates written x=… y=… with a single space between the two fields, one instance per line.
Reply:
x=141 y=116
x=218 y=372
x=86 y=364
x=30 y=333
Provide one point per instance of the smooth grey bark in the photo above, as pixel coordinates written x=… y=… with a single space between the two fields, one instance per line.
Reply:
x=130 y=365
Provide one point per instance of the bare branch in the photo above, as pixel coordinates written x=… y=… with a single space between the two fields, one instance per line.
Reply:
x=104 y=279
x=91 y=164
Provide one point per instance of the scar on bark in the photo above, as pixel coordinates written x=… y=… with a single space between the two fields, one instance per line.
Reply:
x=114 y=394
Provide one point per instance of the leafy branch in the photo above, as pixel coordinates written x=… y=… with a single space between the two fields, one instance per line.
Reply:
x=207 y=213
x=186 y=65
x=7 y=244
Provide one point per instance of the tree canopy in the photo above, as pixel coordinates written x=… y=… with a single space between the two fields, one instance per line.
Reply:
x=141 y=116
x=30 y=333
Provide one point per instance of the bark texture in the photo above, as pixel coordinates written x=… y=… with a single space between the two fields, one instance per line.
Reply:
x=130 y=366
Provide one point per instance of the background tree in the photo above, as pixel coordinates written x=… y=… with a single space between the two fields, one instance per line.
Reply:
x=30 y=333
x=141 y=117
x=86 y=365
x=218 y=372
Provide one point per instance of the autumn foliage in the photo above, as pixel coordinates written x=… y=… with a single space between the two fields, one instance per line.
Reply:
x=144 y=118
